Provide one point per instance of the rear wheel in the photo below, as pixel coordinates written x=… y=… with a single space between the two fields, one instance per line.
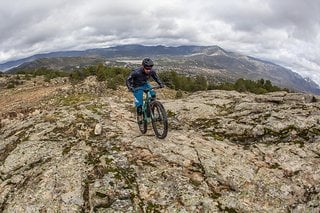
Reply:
x=142 y=123
x=159 y=119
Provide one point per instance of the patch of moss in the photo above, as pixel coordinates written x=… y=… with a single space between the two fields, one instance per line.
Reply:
x=275 y=166
x=110 y=169
x=101 y=195
x=214 y=135
x=66 y=150
x=152 y=207
x=226 y=109
x=93 y=159
x=304 y=134
x=105 y=205
x=171 y=114
x=315 y=131
x=39 y=162
x=300 y=143
x=179 y=94
x=226 y=209
x=147 y=163
x=116 y=148
x=246 y=147
x=95 y=108
x=215 y=195
x=50 y=118
x=129 y=175
x=108 y=160
x=5 y=152
x=79 y=118
x=268 y=131
x=114 y=137
x=284 y=133
x=194 y=182
x=203 y=123
x=10 y=86
x=74 y=99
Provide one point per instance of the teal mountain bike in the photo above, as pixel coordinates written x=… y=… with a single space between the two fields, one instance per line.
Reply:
x=154 y=112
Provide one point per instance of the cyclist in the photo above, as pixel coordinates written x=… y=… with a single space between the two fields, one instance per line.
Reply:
x=138 y=81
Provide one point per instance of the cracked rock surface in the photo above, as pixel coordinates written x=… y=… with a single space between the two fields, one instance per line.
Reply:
x=225 y=152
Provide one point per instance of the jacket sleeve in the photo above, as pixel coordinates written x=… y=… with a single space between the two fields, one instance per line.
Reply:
x=129 y=81
x=155 y=77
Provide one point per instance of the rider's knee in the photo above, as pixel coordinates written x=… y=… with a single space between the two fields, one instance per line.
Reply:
x=153 y=96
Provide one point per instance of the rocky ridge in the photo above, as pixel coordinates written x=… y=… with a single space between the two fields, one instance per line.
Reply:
x=213 y=62
x=81 y=151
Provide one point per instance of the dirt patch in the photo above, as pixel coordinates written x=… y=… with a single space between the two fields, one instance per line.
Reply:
x=23 y=97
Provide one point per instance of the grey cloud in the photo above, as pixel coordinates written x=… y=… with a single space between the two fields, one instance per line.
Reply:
x=303 y=17
x=283 y=31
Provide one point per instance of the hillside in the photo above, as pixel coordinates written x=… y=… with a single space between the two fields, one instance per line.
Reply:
x=213 y=62
x=225 y=152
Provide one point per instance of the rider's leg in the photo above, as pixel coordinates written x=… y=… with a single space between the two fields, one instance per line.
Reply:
x=139 y=110
x=138 y=100
x=152 y=92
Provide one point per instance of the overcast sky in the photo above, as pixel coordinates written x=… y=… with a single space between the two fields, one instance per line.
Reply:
x=283 y=31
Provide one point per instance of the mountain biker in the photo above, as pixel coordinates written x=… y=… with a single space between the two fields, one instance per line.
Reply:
x=138 y=81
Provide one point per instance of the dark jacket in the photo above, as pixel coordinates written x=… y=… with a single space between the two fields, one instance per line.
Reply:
x=138 y=77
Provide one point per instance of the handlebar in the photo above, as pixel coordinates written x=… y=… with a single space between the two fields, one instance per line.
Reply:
x=156 y=87
x=151 y=88
x=148 y=89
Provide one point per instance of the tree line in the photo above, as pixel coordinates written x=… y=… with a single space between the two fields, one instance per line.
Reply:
x=116 y=76
x=197 y=83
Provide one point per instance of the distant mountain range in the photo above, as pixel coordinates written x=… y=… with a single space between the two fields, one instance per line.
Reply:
x=211 y=61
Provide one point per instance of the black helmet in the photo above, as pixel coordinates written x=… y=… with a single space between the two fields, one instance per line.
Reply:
x=147 y=62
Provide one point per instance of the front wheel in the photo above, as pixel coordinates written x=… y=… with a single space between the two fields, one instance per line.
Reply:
x=159 y=119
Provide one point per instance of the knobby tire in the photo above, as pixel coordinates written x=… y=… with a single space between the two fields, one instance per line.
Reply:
x=159 y=119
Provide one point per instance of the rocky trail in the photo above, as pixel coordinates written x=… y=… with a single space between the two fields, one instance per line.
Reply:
x=225 y=152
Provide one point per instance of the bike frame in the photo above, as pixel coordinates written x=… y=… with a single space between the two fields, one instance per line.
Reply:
x=149 y=115
x=146 y=102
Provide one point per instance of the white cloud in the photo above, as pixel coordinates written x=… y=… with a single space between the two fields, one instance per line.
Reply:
x=287 y=31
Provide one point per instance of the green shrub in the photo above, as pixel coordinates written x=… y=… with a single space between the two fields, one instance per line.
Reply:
x=10 y=86
x=177 y=81
x=114 y=76
x=42 y=71
x=179 y=94
x=13 y=83
x=76 y=76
